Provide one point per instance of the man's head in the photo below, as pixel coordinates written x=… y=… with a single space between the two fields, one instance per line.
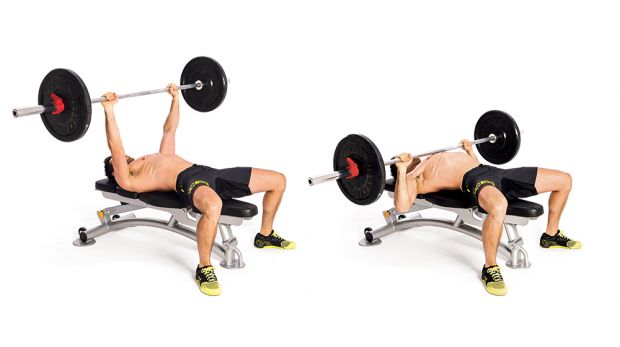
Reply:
x=109 y=169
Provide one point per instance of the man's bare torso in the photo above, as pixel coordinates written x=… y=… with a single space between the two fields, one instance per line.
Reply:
x=156 y=172
x=441 y=171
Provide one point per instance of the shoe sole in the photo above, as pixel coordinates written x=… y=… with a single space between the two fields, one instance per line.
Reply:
x=492 y=291
x=284 y=248
x=561 y=247
x=209 y=292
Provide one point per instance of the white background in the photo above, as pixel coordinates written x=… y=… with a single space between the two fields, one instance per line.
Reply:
x=412 y=76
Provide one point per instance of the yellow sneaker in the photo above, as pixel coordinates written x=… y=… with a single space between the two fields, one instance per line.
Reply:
x=493 y=280
x=207 y=281
x=272 y=240
x=559 y=240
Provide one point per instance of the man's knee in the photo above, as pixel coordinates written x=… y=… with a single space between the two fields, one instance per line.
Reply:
x=279 y=182
x=567 y=181
x=209 y=206
x=493 y=202
x=498 y=207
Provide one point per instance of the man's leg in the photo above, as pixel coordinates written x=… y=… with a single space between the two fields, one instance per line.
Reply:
x=210 y=206
x=495 y=204
x=559 y=184
x=273 y=184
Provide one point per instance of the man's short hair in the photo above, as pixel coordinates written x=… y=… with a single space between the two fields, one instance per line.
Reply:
x=109 y=169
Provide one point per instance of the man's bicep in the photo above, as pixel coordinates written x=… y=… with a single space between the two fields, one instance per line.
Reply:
x=167 y=145
x=121 y=169
x=412 y=188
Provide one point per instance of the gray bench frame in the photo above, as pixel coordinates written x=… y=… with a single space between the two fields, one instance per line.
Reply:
x=467 y=221
x=182 y=221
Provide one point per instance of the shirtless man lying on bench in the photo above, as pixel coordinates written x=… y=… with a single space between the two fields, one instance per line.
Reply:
x=201 y=187
x=490 y=188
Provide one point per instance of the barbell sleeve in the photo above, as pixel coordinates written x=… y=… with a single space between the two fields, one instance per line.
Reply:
x=344 y=173
x=27 y=111
x=329 y=177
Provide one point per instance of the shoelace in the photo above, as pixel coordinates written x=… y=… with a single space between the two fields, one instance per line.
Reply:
x=209 y=274
x=495 y=274
x=560 y=236
x=277 y=237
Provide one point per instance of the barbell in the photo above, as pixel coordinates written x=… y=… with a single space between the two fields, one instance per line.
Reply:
x=65 y=103
x=360 y=168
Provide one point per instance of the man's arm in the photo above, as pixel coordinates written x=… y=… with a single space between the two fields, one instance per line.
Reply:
x=406 y=190
x=119 y=160
x=469 y=149
x=172 y=122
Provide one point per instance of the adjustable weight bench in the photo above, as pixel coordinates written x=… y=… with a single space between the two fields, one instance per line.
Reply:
x=469 y=219
x=182 y=220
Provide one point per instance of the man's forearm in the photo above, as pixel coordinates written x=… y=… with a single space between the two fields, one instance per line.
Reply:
x=401 y=192
x=112 y=132
x=172 y=122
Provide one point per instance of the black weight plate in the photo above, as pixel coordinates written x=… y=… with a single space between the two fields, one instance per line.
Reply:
x=505 y=127
x=214 y=80
x=74 y=121
x=368 y=186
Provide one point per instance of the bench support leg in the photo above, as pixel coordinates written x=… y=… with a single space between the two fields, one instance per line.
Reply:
x=232 y=258
x=518 y=255
x=393 y=219
x=373 y=237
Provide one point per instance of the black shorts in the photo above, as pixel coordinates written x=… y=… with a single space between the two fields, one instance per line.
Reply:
x=513 y=183
x=227 y=183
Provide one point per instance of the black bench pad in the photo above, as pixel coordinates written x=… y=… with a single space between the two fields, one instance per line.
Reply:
x=457 y=199
x=234 y=208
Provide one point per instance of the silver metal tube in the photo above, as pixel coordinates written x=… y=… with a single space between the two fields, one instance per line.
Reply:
x=147 y=92
x=338 y=175
x=326 y=178
x=511 y=232
x=226 y=232
x=97 y=231
x=27 y=111
x=490 y=138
